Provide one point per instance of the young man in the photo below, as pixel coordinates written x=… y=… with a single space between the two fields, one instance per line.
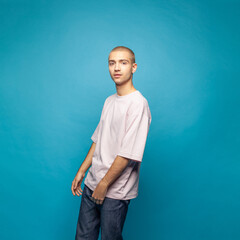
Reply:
x=114 y=156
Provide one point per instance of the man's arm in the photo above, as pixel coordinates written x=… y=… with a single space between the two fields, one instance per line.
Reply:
x=76 y=183
x=88 y=160
x=119 y=164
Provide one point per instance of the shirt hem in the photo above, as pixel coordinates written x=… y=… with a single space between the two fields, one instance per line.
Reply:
x=128 y=197
x=125 y=198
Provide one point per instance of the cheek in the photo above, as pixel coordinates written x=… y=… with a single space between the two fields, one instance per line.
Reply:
x=129 y=71
x=126 y=70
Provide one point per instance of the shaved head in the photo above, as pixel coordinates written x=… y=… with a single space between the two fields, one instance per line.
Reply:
x=122 y=48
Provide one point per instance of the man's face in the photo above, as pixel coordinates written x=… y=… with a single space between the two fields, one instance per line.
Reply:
x=120 y=66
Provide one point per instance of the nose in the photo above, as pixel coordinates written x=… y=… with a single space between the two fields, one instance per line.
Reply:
x=116 y=67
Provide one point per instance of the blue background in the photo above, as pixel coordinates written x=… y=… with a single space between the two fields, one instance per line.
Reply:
x=53 y=82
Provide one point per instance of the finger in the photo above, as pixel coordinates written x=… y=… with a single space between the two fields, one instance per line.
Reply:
x=72 y=190
x=73 y=184
x=79 y=192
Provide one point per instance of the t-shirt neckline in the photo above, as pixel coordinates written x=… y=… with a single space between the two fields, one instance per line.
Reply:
x=125 y=96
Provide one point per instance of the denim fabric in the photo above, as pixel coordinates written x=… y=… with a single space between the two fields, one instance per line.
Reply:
x=109 y=217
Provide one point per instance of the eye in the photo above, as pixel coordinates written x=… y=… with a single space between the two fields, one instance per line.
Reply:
x=124 y=63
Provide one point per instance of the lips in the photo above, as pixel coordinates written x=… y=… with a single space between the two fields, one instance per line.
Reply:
x=117 y=75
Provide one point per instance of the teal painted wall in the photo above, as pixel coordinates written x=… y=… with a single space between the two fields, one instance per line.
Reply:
x=53 y=82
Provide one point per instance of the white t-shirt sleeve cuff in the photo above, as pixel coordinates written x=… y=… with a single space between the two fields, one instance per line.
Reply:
x=94 y=139
x=131 y=156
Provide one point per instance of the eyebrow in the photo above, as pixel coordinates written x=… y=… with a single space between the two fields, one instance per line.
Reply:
x=119 y=60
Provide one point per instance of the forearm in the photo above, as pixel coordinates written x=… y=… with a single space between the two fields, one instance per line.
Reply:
x=88 y=160
x=119 y=164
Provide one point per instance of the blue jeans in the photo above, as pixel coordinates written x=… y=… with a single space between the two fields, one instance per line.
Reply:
x=110 y=216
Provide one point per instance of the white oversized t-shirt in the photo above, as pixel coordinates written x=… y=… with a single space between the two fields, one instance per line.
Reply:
x=122 y=130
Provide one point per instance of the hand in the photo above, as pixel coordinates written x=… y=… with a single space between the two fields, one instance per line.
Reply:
x=76 y=184
x=100 y=192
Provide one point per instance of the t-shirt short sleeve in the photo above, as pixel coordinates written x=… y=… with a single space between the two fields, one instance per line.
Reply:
x=134 y=138
x=94 y=137
x=95 y=134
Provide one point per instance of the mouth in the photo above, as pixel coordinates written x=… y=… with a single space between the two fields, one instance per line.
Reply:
x=117 y=75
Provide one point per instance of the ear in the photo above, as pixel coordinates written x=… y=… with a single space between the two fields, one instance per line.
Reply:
x=134 y=67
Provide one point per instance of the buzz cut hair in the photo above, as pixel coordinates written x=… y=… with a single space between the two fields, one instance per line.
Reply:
x=132 y=55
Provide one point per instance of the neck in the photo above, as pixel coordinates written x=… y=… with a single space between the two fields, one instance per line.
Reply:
x=125 y=89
